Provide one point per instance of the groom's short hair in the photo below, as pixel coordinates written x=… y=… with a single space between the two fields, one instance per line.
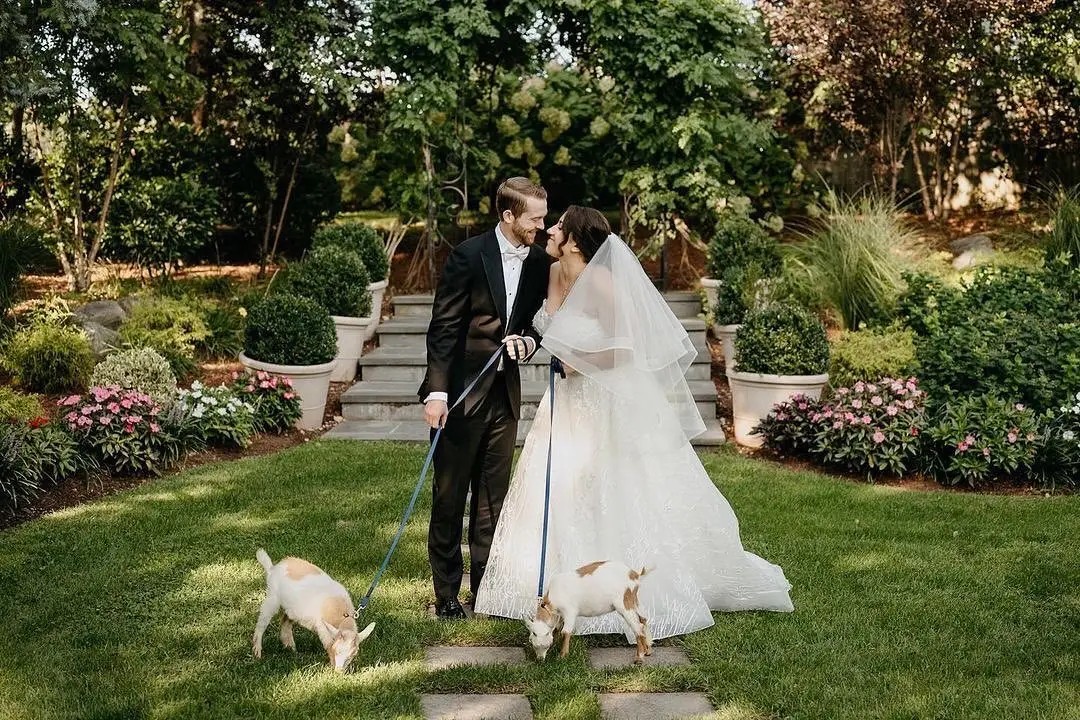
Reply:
x=513 y=195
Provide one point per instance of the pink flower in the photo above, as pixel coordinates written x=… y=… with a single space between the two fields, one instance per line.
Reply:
x=872 y=388
x=154 y=427
x=105 y=419
x=859 y=386
x=1019 y=407
x=288 y=382
x=850 y=417
x=781 y=416
x=816 y=417
x=114 y=407
x=250 y=388
x=235 y=374
x=866 y=420
x=84 y=421
x=843 y=391
x=126 y=402
x=264 y=385
x=879 y=437
x=133 y=419
x=87 y=409
x=802 y=406
x=891 y=410
x=970 y=439
x=1030 y=436
x=289 y=396
x=1012 y=437
x=856 y=403
x=71 y=416
x=986 y=452
x=913 y=430
x=273 y=381
x=909 y=404
x=876 y=401
x=962 y=446
x=129 y=428
x=897 y=387
x=838 y=424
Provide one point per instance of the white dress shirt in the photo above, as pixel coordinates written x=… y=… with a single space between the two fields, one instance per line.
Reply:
x=513 y=258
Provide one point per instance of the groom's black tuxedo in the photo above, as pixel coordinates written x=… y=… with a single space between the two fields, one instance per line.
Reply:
x=469 y=319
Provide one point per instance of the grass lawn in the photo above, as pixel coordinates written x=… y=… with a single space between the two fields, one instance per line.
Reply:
x=908 y=605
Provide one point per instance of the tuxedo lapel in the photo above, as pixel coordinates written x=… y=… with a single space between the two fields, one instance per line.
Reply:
x=526 y=271
x=493 y=269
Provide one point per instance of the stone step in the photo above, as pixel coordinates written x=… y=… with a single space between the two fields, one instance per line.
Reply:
x=389 y=400
x=408 y=366
x=442 y=657
x=475 y=707
x=654 y=706
x=684 y=303
x=418 y=431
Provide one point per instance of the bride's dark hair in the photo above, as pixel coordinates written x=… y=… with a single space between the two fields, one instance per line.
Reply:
x=589 y=229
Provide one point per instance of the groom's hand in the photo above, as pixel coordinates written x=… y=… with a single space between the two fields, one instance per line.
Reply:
x=518 y=347
x=435 y=412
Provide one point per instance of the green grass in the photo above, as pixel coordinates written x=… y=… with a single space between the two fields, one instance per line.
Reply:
x=908 y=605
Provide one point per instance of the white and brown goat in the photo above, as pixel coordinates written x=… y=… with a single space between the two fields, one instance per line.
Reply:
x=308 y=597
x=590 y=591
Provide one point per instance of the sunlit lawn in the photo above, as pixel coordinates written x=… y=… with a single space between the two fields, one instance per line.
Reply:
x=908 y=605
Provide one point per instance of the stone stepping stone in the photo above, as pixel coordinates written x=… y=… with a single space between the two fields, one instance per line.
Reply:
x=475 y=707
x=653 y=706
x=441 y=657
x=604 y=658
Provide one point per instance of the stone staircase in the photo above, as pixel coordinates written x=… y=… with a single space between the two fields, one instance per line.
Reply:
x=383 y=405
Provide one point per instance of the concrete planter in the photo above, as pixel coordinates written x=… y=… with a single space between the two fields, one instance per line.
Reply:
x=710 y=285
x=351 y=334
x=753 y=396
x=311 y=383
x=377 y=290
x=726 y=335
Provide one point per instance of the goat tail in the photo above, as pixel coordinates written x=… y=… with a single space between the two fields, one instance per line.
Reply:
x=264 y=560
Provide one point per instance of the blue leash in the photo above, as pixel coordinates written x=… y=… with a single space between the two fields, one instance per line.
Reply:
x=420 y=484
x=556 y=367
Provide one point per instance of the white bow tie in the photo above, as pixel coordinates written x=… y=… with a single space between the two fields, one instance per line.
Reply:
x=519 y=252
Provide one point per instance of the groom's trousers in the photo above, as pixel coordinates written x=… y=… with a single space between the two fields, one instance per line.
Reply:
x=474 y=452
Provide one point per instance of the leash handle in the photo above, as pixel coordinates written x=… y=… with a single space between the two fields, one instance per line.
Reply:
x=556 y=367
x=366 y=600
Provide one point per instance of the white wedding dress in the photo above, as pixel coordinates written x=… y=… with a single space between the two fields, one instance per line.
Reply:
x=625 y=485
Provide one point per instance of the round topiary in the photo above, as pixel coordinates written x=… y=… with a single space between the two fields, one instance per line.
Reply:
x=361 y=239
x=781 y=340
x=285 y=329
x=50 y=359
x=335 y=278
x=142 y=369
x=739 y=242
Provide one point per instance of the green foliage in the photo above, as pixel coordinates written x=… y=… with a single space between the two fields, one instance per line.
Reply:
x=871 y=428
x=1063 y=241
x=1058 y=460
x=174 y=328
x=286 y=329
x=335 y=278
x=163 y=221
x=20 y=243
x=781 y=340
x=55 y=456
x=982 y=439
x=218 y=416
x=360 y=238
x=225 y=330
x=869 y=354
x=277 y=406
x=1012 y=333
x=143 y=369
x=849 y=260
x=19 y=483
x=47 y=358
x=126 y=431
x=739 y=242
x=18 y=408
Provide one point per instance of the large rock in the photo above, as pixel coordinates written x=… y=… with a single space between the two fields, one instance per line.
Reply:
x=978 y=243
x=106 y=313
x=102 y=339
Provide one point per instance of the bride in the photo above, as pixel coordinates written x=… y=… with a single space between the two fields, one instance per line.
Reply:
x=625 y=482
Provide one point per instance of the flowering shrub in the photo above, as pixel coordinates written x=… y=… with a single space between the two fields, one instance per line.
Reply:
x=125 y=429
x=1058 y=459
x=870 y=427
x=218 y=416
x=982 y=439
x=143 y=369
x=277 y=405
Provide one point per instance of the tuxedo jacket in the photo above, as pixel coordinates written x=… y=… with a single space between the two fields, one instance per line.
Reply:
x=469 y=319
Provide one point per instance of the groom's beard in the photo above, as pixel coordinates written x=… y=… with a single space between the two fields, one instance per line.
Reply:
x=524 y=235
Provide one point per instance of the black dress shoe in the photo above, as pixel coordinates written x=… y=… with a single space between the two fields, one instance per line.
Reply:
x=449 y=609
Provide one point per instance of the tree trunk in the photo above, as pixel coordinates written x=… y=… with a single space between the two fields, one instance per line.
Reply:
x=924 y=188
x=194 y=12
x=264 y=249
x=289 y=188
x=110 y=187
x=54 y=213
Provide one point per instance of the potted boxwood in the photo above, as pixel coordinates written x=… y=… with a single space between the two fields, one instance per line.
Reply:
x=337 y=279
x=737 y=242
x=364 y=241
x=781 y=350
x=293 y=336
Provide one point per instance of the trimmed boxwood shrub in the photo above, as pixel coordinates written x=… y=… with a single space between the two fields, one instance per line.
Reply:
x=335 y=278
x=361 y=239
x=782 y=340
x=289 y=330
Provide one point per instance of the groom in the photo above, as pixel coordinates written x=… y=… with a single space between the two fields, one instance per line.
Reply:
x=490 y=288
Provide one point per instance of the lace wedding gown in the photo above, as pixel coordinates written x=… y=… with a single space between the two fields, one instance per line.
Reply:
x=625 y=485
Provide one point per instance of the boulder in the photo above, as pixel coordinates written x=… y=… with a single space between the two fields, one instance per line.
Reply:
x=102 y=339
x=106 y=313
x=978 y=243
